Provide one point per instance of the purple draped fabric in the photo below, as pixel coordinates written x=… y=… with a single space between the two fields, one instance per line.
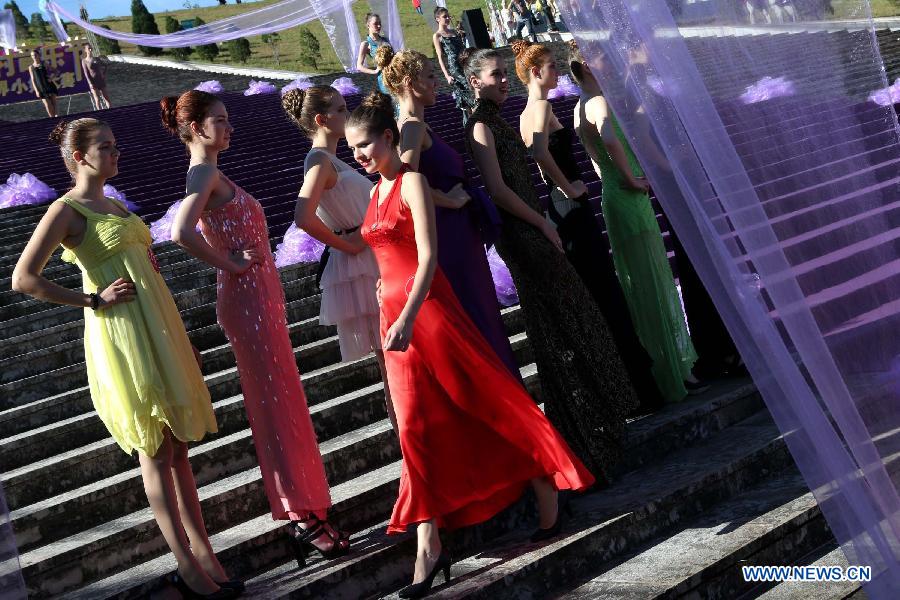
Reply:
x=788 y=208
x=12 y=586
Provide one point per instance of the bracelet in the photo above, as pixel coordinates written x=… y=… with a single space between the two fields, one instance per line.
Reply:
x=95 y=301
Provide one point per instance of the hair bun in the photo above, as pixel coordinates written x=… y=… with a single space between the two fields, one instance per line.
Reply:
x=56 y=136
x=292 y=100
x=167 y=108
x=519 y=47
x=383 y=56
x=378 y=101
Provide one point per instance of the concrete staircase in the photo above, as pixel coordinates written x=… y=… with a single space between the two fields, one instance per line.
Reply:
x=707 y=485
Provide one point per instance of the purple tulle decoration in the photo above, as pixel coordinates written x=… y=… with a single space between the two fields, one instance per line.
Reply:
x=564 y=87
x=345 y=86
x=503 y=283
x=260 y=87
x=212 y=86
x=111 y=192
x=161 y=229
x=297 y=247
x=660 y=87
x=886 y=96
x=20 y=190
x=301 y=83
x=766 y=89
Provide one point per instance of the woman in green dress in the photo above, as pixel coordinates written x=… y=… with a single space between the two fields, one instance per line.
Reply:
x=638 y=251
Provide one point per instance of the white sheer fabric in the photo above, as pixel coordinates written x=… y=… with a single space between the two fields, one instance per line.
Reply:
x=7 y=29
x=779 y=177
x=390 y=22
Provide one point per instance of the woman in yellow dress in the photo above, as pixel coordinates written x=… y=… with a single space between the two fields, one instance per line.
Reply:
x=144 y=382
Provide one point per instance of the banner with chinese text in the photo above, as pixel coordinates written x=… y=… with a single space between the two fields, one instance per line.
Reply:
x=63 y=66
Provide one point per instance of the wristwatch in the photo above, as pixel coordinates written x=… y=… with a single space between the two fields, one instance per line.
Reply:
x=95 y=301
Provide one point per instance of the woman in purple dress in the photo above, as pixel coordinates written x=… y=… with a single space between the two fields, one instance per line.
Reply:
x=466 y=219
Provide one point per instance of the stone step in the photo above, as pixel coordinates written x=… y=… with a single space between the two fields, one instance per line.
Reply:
x=111 y=546
x=320 y=356
x=40 y=413
x=29 y=390
x=197 y=279
x=773 y=523
x=649 y=439
x=492 y=559
x=79 y=481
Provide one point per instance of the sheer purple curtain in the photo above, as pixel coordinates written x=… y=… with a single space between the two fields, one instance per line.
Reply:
x=780 y=178
x=12 y=586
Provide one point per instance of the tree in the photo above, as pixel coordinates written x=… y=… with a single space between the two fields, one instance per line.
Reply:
x=239 y=49
x=172 y=25
x=207 y=52
x=20 y=20
x=310 y=52
x=107 y=45
x=39 y=27
x=143 y=22
x=272 y=39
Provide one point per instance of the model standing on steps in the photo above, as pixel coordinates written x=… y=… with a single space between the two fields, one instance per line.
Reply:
x=250 y=308
x=331 y=207
x=586 y=389
x=638 y=251
x=571 y=212
x=144 y=380
x=368 y=47
x=466 y=218
x=472 y=437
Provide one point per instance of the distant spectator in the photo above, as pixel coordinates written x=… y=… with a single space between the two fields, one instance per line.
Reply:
x=41 y=84
x=524 y=18
x=94 y=68
x=417 y=4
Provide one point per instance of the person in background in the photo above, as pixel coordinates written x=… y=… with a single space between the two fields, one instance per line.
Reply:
x=524 y=18
x=448 y=46
x=94 y=68
x=417 y=5
x=43 y=88
x=369 y=47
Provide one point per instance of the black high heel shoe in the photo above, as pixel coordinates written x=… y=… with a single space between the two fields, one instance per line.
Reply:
x=223 y=593
x=232 y=584
x=545 y=534
x=418 y=590
x=302 y=540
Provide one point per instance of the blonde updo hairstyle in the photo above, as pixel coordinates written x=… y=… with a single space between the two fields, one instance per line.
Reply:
x=72 y=136
x=397 y=67
x=302 y=106
x=528 y=56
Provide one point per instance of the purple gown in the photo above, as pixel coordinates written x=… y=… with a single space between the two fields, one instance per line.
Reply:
x=462 y=235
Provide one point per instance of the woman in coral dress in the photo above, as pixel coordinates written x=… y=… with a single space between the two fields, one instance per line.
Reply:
x=250 y=308
x=472 y=437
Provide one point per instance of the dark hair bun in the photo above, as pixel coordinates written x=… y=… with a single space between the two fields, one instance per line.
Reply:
x=167 y=113
x=379 y=102
x=56 y=136
x=519 y=46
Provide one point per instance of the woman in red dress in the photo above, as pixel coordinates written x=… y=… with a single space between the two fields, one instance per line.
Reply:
x=472 y=437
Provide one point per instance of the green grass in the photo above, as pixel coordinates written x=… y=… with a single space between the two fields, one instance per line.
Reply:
x=417 y=33
x=850 y=9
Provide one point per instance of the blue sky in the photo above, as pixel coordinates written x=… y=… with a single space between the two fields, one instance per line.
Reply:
x=107 y=8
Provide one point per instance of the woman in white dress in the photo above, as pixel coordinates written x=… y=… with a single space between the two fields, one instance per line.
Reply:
x=331 y=207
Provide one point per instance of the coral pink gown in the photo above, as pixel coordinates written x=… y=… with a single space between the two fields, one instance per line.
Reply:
x=471 y=436
x=250 y=308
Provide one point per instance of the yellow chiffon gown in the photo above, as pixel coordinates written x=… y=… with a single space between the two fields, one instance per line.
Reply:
x=140 y=365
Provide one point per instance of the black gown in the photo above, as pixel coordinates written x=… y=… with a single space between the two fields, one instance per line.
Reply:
x=585 y=386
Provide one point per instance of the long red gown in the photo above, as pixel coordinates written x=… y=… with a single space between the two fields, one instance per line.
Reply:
x=471 y=437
